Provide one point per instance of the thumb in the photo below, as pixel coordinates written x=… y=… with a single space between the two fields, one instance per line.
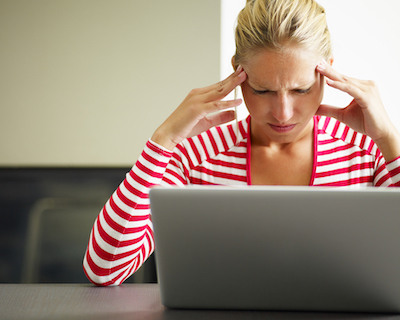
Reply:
x=329 y=111
x=212 y=121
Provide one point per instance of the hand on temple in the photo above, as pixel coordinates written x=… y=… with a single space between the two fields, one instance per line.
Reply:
x=192 y=117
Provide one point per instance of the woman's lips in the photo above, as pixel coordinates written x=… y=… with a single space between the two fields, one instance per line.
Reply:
x=282 y=129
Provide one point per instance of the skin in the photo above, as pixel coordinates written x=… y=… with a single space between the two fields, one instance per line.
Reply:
x=193 y=115
x=282 y=92
x=365 y=114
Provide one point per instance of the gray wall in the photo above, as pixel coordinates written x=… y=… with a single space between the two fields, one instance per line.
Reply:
x=86 y=82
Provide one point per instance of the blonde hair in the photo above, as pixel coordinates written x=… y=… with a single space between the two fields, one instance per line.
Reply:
x=274 y=24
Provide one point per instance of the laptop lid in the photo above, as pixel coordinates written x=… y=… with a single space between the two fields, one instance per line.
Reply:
x=278 y=248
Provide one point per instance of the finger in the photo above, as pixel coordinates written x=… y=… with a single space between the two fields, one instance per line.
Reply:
x=218 y=84
x=346 y=86
x=219 y=118
x=223 y=88
x=326 y=70
x=353 y=87
x=211 y=121
x=218 y=105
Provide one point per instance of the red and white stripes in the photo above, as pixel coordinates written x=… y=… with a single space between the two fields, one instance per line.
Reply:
x=122 y=236
x=346 y=158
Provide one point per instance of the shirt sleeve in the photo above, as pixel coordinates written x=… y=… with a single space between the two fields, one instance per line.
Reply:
x=122 y=235
x=387 y=174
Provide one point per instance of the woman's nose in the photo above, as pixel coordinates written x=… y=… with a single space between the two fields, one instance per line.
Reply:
x=283 y=110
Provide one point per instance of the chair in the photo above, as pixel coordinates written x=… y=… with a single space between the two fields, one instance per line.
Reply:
x=58 y=232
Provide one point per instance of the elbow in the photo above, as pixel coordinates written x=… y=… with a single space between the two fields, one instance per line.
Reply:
x=99 y=281
x=100 y=276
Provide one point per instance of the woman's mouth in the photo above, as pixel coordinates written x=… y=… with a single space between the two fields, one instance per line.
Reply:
x=282 y=129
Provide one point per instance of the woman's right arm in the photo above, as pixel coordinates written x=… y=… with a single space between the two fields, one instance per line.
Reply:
x=122 y=235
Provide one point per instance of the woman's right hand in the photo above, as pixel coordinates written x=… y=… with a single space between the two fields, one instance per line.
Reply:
x=192 y=117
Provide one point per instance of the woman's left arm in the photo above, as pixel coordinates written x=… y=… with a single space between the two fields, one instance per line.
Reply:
x=365 y=114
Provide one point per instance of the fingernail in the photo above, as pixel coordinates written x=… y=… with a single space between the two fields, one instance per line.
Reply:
x=321 y=65
x=239 y=69
x=330 y=82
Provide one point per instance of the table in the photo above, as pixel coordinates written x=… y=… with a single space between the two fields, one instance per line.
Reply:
x=128 y=301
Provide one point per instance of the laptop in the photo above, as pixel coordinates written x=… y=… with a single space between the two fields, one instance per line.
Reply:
x=278 y=248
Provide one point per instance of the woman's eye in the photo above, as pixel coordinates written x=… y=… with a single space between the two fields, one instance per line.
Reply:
x=303 y=91
x=260 y=92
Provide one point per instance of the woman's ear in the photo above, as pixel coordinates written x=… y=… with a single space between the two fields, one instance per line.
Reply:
x=233 y=62
x=330 y=61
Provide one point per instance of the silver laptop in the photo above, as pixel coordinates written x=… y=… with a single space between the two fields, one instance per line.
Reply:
x=278 y=248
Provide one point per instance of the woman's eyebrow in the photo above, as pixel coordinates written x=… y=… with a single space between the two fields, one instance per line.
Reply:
x=307 y=85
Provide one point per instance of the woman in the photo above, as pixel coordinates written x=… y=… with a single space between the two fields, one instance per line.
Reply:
x=283 y=59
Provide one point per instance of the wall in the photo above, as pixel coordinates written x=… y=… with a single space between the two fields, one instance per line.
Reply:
x=365 y=37
x=86 y=82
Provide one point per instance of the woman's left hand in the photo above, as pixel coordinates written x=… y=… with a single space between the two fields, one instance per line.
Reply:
x=366 y=113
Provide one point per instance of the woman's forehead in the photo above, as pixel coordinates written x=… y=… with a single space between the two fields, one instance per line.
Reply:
x=274 y=81
x=271 y=69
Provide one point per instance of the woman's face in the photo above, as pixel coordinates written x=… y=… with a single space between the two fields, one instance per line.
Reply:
x=282 y=92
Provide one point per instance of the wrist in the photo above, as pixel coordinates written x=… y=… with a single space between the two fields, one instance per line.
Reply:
x=389 y=145
x=162 y=140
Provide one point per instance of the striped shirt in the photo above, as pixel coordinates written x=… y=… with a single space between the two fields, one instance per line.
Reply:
x=122 y=235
